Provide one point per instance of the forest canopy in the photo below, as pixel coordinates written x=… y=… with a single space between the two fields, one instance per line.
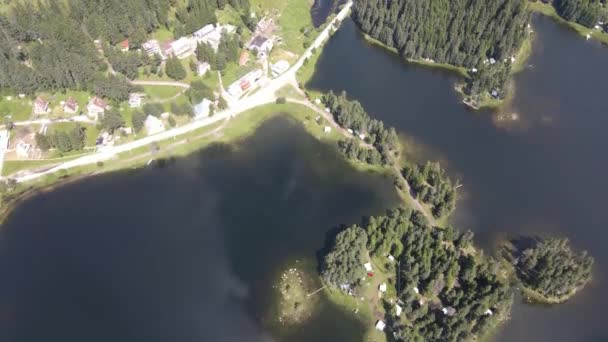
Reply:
x=447 y=291
x=553 y=269
x=457 y=32
x=49 y=45
x=584 y=12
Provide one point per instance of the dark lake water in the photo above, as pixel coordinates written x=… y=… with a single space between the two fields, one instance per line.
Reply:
x=322 y=9
x=543 y=173
x=187 y=252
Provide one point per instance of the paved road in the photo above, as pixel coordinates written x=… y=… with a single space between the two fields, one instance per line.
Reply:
x=264 y=96
x=162 y=83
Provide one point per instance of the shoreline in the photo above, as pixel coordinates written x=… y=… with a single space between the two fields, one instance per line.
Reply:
x=549 y=11
x=230 y=132
x=524 y=53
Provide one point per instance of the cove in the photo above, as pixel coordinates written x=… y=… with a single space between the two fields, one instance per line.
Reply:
x=541 y=174
x=187 y=251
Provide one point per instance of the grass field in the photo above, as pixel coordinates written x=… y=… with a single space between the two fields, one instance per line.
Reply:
x=16 y=109
x=161 y=93
x=294 y=18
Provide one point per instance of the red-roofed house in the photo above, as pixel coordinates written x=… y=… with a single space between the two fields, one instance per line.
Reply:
x=41 y=106
x=70 y=106
x=95 y=107
x=124 y=45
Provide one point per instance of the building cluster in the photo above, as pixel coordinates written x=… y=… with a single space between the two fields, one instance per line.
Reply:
x=184 y=47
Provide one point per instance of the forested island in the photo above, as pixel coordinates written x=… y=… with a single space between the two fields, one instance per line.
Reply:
x=550 y=270
x=441 y=289
x=431 y=185
x=351 y=115
x=482 y=36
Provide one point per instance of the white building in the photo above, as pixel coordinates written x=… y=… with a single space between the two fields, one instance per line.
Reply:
x=153 y=125
x=380 y=325
x=382 y=287
x=327 y=129
x=212 y=35
x=134 y=100
x=368 y=267
x=398 y=310
x=202 y=109
x=23 y=149
x=151 y=47
x=279 y=67
x=182 y=48
x=4 y=140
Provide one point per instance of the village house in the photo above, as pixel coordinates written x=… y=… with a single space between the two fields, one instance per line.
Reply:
x=152 y=47
x=124 y=45
x=279 y=67
x=23 y=149
x=41 y=106
x=398 y=310
x=380 y=325
x=153 y=125
x=368 y=267
x=202 y=109
x=70 y=106
x=261 y=45
x=134 y=100
x=202 y=68
x=96 y=107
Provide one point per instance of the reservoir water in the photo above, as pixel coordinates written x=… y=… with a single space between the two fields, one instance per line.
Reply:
x=187 y=252
x=543 y=173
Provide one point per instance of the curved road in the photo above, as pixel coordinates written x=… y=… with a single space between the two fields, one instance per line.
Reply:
x=264 y=96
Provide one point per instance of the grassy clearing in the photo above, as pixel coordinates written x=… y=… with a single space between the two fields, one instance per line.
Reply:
x=16 y=109
x=294 y=19
x=549 y=10
x=12 y=166
x=160 y=93
x=522 y=55
x=295 y=306
x=228 y=16
x=162 y=34
x=288 y=91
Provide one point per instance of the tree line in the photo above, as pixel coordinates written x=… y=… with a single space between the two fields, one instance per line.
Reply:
x=584 y=12
x=553 y=269
x=74 y=140
x=434 y=270
x=458 y=32
x=350 y=114
x=431 y=185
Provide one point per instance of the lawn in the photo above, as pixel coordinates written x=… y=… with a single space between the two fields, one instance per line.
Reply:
x=162 y=34
x=17 y=109
x=12 y=166
x=294 y=18
x=228 y=16
x=161 y=93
